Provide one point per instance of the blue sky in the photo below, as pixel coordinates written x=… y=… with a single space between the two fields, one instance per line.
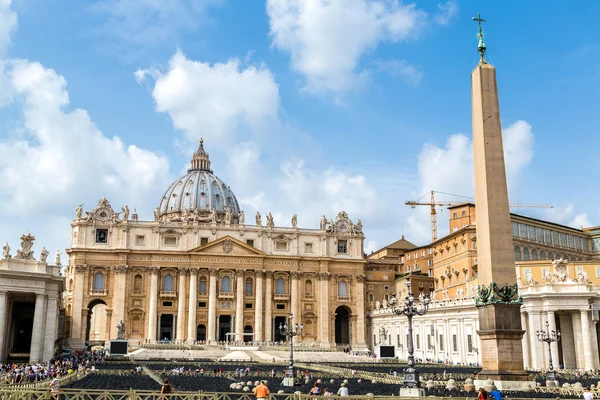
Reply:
x=306 y=107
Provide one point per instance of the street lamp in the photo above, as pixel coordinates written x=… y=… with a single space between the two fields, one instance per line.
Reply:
x=290 y=331
x=549 y=336
x=411 y=376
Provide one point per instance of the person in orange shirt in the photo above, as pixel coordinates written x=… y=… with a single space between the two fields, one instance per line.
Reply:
x=261 y=391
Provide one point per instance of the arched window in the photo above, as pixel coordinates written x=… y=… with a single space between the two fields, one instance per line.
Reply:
x=99 y=281
x=168 y=283
x=534 y=254
x=136 y=324
x=308 y=290
x=551 y=256
x=226 y=284
x=70 y=285
x=248 y=285
x=137 y=283
x=280 y=286
x=543 y=255
x=526 y=256
x=517 y=253
x=343 y=290
x=202 y=285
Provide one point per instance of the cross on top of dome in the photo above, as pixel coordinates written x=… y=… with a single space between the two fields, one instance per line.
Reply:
x=200 y=160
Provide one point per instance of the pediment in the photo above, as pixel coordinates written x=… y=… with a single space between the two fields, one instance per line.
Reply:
x=228 y=246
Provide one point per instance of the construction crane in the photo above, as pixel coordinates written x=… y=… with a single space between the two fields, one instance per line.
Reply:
x=433 y=203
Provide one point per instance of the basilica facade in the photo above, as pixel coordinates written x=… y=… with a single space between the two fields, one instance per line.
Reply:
x=199 y=272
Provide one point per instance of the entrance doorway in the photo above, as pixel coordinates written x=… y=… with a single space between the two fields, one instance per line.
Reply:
x=277 y=336
x=201 y=332
x=224 y=326
x=23 y=331
x=95 y=328
x=342 y=325
x=166 y=326
x=248 y=338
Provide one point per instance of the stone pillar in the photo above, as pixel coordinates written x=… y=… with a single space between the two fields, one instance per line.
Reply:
x=553 y=345
x=108 y=323
x=324 y=309
x=588 y=357
x=567 y=342
x=180 y=330
x=38 y=329
x=192 y=307
x=258 y=304
x=360 y=320
x=51 y=320
x=268 y=306
x=212 y=306
x=239 y=305
x=578 y=339
x=153 y=305
x=526 y=359
x=118 y=303
x=537 y=348
x=77 y=339
x=3 y=319
x=594 y=338
x=294 y=298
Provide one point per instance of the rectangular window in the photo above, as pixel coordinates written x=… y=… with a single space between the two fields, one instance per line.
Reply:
x=420 y=284
x=280 y=245
x=203 y=241
x=454 y=343
x=308 y=247
x=539 y=234
x=441 y=342
x=280 y=306
x=248 y=287
x=170 y=240
x=547 y=236
x=431 y=284
x=515 y=229
x=408 y=257
x=140 y=240
x=469 y=343
x=167 y=304
x=342 y=246
x=248 y=305
x=571 y=241
x=408 y=267
x=250 y=242
x=597 y=271
x=429 y=345
x=418 y=340
x=202 y=304
x=584 y=245
x=430 y=263
x=371 y=298
x=202 y=287
x=555 y=238
x=101 y=235
x=523 y=231
x=545 y=272
x=577 y=242
x=530 y=232
x=563 y=240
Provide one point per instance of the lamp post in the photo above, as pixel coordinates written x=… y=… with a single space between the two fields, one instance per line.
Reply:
x=549 y=336
x=411 y=376
x=290 y=330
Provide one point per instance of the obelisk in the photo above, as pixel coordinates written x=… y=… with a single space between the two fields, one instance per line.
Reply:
x=498 y=303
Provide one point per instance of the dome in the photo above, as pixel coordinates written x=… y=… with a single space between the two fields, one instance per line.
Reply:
x=197 y=193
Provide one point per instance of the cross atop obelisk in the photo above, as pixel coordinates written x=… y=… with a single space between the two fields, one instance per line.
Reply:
x=480 y=35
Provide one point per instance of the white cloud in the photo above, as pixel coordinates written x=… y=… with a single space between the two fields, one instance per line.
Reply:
x=8 y=23
x=327 y=39
x=446 y=11
x=449 y=169
x=580 y=220
x=401 y=68
x=151 y=22
x=213 y=101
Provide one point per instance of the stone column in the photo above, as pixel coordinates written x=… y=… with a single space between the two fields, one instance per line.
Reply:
x=118 y=295
x=537 y=350
x=51 y=319
x=3 y=319
x=79 y=286
x=324 y=309
x=360 y=321
x=594 y=339
x=567 y=342
x=239 y=305
x=212 y=306
x=553 y=345
x=258 y=304
x=268 y=306
x=294 y=298
x=152 y=305
x=108 y=323
x=578 y=340
x=588 y=357
x=38 y=329
x=526 y=360
x=192 y=307
x=180 y=330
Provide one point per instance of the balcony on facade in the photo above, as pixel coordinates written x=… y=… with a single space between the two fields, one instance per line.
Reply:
x=98 y=292
x=138 y=292
x=281 y=296
x=343 y=298
x=226 y=295
x=168 y=294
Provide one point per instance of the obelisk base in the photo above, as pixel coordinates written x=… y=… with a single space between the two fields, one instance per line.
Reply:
x=501 y=350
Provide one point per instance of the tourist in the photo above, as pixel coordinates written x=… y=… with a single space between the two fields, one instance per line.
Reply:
x=588 y=395
x=54 y=386
x=165 y=388
x=327 y=393
x=495 y=394
x=482 y=394
x=316 y=390
x=343 y=391
x=261 y=391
